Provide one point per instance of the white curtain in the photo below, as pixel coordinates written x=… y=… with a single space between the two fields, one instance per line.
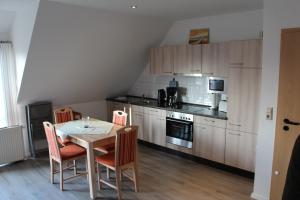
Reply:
x=8 y=87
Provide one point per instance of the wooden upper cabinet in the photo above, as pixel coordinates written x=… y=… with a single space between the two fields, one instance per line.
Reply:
x=162 y=60
x=168 y=59
x=252 y=53
x=215 y=59
x=223 y=58
x=210 y=62
x=196 y=66
x=208 y=59
x=245 y=53
x=182 y=59
x=235 y=50
x=187 y=59
x=156 y=60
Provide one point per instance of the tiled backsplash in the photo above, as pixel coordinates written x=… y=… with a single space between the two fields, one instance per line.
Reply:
x=193 y=89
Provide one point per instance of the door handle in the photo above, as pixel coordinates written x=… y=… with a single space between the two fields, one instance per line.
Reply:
x=287 y=121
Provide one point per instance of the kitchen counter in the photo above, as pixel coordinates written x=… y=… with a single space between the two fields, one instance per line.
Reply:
x=194 y=109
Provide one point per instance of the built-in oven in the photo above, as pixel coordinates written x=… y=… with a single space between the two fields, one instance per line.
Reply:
x=179 y=129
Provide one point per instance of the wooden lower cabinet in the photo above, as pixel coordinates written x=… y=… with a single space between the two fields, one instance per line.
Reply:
x=138 y=120
x=155 y=129
x=209 y=142
x=240 y=150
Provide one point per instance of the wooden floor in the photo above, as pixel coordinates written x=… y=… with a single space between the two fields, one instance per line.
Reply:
x=162 y=176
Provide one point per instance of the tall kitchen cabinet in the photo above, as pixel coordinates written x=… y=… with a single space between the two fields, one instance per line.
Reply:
x=243 y=103
x=155 y=126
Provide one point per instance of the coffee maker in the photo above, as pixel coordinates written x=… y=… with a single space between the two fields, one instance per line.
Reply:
x=172 y=93
x=161 y=97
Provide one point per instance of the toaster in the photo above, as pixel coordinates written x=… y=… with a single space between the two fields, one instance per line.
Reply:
x=223 y=106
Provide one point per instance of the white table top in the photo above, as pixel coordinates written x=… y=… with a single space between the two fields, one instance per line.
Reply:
x=79 y=127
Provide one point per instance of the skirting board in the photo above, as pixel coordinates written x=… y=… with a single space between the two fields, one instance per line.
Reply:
x=258 y=196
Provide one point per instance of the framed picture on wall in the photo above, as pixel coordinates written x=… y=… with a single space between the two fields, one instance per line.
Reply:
x=199 y=36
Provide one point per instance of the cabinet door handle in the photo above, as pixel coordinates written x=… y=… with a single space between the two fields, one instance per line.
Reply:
x=209 y=120
x=208 y=73
x=237 y=134
x=237 y=63
x=196 y=70
x=234 y=124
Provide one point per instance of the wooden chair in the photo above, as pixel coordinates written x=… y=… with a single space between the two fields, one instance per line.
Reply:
x=124 y=158
x=62 y=155
x=62 y=115
x=119 y=118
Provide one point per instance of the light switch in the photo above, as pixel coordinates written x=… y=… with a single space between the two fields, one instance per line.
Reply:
x=269 y=114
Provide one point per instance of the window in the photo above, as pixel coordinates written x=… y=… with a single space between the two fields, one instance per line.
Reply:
x=8 y=86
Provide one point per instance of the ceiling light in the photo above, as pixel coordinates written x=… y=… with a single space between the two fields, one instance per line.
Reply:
x=133 y=6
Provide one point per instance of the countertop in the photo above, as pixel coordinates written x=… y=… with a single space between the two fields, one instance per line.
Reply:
x=194 y=109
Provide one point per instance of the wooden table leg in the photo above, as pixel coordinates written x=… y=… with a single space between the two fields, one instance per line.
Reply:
x=91 y=170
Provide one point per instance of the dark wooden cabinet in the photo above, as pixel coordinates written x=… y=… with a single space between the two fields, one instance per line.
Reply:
x=36 y=114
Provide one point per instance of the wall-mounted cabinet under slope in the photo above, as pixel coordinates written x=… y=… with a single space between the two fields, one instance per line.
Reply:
x=208 y=59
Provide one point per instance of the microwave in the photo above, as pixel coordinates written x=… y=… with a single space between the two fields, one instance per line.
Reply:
x=216 y=85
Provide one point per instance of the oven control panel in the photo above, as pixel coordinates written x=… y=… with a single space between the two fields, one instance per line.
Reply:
x=181 y=116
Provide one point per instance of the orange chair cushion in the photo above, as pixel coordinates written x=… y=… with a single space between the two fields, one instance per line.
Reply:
x=107 y=159
x=63 y=143
x=106 y=148
x=71 y=151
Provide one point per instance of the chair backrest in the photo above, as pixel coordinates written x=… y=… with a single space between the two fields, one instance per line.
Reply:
x=126 y=145
x=52 y=140
x=119 y=117
x=62 y=115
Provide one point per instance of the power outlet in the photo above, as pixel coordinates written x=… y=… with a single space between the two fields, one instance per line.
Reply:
x=269 y=114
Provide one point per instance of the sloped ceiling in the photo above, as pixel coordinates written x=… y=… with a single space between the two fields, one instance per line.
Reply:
x=172 y=9
x=81 y=54
x=6 y=20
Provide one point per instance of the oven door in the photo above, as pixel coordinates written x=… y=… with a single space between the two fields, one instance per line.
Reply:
x=179 y=132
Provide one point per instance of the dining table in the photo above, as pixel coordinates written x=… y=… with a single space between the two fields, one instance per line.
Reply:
x=89 y=139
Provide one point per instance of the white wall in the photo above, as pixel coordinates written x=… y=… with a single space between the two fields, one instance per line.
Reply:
x=278 y=14
x=243 y=25
x=193 y=89
x=6 y=21
x=21 y=33
x=95 y=109
x=81 y=54
x=5 y=36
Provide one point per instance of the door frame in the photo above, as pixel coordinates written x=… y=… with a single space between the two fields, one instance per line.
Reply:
x=278 y=125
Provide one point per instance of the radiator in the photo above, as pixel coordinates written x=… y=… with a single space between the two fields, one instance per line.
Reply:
x=11 y=145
